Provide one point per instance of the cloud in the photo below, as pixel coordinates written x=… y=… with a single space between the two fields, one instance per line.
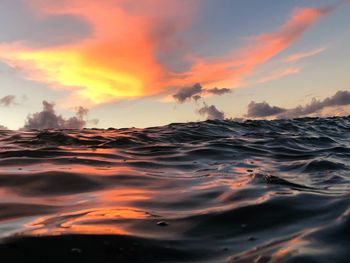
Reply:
x=120 y=58
x=283 y=68
x=48 y=119
x=341 y=98
x=263 y=109
x=196 y=97
x=218 y=91
x=280 y=73
x=302 y=55
x=82 y=112
x=234 y=67
x=8 y=100
x=194 y=92
x=187 y=93
x=3 y=127
x=211 y=112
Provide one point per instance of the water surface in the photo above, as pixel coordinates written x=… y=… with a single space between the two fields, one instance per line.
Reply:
x=214 y=191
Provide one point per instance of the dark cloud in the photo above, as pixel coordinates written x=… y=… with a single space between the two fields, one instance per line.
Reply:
x=218 y=91
x=195 y=92
x=211 y=112
x=196 y=97
x=341 y=98
x=187 y=93
x=262 y=109
x=8 y=100
x=82 y=112
x=48 y=119
x=3 y=127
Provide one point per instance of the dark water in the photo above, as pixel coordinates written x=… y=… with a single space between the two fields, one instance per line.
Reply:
x=215 y=191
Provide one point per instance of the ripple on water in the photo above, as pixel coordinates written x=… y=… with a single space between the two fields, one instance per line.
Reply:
x=214 y=191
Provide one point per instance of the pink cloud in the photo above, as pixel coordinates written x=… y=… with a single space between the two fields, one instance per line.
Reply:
x=231 y=70
x=119 y=59
x=302 y=55
x=280 y=74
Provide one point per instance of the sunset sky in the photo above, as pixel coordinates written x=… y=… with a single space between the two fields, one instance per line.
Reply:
x=153 y=62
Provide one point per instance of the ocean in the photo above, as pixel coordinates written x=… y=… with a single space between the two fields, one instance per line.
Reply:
x=214 y=191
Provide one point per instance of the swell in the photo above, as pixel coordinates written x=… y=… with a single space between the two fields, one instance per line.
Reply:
x=214 y=191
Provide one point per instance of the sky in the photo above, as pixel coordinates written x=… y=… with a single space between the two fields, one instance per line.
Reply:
x=122 y=63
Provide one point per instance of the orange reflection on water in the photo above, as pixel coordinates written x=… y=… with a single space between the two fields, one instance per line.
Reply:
x=109 y=211
x=79 y=229
x=233 y=183
x=240 y=170
x=124 y=195
x=81 y=169
x=109 y=220
x=95 y=150
x=290 y=247
x=102 y=170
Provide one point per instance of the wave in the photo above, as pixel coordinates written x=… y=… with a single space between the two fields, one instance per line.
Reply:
x=213 y=191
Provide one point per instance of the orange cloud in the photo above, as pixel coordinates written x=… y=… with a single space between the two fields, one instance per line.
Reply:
x=298 y=56
x=280 y=74
x=119 y=59
x=230 y=71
